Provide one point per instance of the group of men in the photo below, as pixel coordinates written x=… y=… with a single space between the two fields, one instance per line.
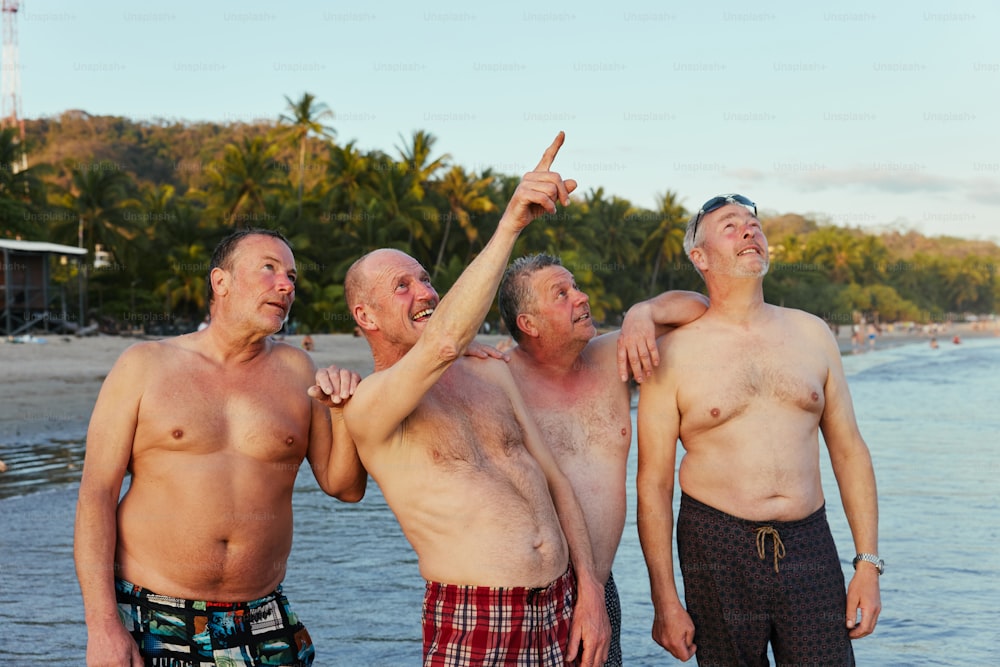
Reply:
x=507 y=475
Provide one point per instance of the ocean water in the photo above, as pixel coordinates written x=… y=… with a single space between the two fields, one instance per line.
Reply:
x=930 y=418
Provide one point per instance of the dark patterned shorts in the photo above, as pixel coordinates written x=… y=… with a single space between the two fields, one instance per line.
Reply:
x=480 y=625
x=614 y=606
x=172 y=632
x=747 y=583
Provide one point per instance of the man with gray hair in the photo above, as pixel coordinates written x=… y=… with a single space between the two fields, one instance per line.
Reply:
x=747 y=388
x=574 y=383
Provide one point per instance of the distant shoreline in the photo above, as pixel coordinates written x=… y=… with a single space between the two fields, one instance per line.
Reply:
x=50 y=388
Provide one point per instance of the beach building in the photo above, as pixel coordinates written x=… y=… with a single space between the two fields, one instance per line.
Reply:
x=28 y=300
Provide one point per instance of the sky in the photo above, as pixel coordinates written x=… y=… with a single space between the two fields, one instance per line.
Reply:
x=858 y=114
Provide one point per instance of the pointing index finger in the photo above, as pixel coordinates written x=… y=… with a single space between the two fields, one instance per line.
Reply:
x=550 y=153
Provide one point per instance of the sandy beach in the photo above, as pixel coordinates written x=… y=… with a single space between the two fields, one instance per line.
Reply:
x=50 y=388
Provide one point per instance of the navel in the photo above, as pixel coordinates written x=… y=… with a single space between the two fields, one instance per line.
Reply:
x=177 y=433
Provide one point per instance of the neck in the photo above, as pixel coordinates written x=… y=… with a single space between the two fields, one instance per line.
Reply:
x=736 y=300
x=555 y=358
x=227 y=346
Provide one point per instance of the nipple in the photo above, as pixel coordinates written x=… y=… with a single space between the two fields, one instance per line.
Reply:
x=815 y=397
x=289 y=441
x=177 y=433
x=716 y=412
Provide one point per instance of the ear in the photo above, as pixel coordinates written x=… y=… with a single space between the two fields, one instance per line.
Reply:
x=363 y=319
x=220 y=281
x=526 y=324
x=697 y=256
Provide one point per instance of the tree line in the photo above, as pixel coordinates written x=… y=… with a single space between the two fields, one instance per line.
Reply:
x=157 y=196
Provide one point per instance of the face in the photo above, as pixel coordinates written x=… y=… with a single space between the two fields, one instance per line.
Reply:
x=559 y=308
x=261 y=283
x=733 y=243
x=400 y=299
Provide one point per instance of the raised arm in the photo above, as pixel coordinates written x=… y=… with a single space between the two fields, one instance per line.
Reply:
x=658 y=427
x=852 y=465
x=459 y=315
x=590 y=617
x=109 y=448
x=646 y=321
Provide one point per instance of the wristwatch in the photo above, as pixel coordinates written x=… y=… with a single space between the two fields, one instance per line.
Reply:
x=873 y=559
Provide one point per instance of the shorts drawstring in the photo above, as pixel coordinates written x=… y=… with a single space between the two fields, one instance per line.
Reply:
x=779 y=548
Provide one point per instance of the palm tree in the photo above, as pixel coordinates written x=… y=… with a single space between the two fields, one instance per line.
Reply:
x=98 y=197
x=400 y=208
x=350 y=180
x=416 y=160
x=666 y=242
x=21 y=190
x=305 y=116
x=245 y=177
x=465 y=194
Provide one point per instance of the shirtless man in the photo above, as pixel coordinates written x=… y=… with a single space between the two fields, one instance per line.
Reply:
x=213 y=427
x=477 y=493
x=575 y=386
x=747 y=387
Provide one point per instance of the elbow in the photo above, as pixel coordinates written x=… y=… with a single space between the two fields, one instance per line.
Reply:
x=353 y=493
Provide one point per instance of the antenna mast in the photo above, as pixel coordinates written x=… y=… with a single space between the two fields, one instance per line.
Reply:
x=10 y=82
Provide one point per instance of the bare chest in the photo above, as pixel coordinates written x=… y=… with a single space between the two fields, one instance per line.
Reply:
x=589 y=416
x=466 y=422
x=264 y=416
x=726 y=384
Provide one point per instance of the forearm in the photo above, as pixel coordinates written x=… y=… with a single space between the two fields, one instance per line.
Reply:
x=574 y=527
x=856 y=480
x=340 y=473
x=655 y=523
x=94 y=545
x=671 y=309
x=459 y=315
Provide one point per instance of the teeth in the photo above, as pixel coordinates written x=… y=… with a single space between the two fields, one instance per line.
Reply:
x=427 y=312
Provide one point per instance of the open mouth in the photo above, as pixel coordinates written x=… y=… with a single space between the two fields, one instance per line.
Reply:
x=749 y=251
x=585 y=316
x=421 y=315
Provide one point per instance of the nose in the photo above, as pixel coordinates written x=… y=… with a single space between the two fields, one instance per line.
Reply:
x=285 y=284
x=426 y=292
x=581 y=297
x=750 y=227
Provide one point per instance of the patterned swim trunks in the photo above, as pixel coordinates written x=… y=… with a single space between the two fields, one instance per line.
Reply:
x=748 y=584
x=172 y=632
x=479 y=625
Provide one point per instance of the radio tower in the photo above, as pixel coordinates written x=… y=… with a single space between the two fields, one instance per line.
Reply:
x=10 y=82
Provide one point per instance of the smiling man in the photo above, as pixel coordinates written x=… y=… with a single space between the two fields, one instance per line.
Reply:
x=450 y=443
x=212 y=426
x=747 y=388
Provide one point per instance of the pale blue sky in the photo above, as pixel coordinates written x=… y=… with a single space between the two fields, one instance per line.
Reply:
x=863 y=114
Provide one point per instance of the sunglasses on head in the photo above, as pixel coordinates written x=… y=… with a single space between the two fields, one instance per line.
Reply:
x=716 y=203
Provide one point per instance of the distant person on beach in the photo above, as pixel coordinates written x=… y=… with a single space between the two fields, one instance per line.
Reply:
x=747 y=387
x=448 y=439
x=213 y=427
x=574 y=384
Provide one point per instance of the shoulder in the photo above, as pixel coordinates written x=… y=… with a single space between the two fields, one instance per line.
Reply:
x=803 y=320
x=488 y=369
x=294 y=360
